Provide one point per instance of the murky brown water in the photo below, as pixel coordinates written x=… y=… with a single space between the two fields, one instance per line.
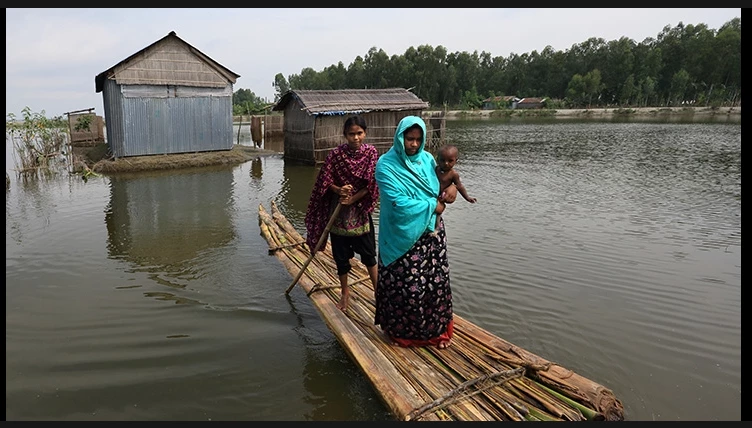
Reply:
x=613 y=249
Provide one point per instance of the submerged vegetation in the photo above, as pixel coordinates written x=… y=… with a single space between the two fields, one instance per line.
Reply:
x=37 y=141
x=41 y=146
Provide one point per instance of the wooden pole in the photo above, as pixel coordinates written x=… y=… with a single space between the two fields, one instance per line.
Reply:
x=318 y=245
x=240 y=125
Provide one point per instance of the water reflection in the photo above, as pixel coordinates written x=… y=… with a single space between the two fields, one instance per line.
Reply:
x=162 y=222
x=274 y=144
x=257 y=170
x=297 y=182
x=330 y=378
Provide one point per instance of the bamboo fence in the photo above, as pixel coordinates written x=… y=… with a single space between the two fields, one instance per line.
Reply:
x=480 y=377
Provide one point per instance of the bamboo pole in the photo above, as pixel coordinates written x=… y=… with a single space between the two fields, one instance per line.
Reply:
x=318 y=245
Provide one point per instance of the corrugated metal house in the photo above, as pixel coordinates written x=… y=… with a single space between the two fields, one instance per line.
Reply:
x=167 y=98
x=313 y=119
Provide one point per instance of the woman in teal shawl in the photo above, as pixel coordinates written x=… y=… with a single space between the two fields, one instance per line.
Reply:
x=413 y=296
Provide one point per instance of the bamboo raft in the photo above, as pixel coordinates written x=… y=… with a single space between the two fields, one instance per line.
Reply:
x=480 y=377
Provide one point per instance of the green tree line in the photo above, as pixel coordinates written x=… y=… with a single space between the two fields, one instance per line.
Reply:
x=683 y=65
x=245 y=102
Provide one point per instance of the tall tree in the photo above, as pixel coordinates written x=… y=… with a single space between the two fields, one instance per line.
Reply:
x=280 y=85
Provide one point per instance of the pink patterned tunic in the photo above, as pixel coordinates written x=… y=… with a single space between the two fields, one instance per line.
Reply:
x=343 y=166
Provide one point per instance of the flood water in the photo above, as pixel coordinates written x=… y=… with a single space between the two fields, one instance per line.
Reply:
x=613 y=249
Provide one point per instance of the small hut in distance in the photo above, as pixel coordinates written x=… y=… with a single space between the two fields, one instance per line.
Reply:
x=313 y=119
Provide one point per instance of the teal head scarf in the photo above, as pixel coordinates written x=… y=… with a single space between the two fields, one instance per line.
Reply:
x=408 y=189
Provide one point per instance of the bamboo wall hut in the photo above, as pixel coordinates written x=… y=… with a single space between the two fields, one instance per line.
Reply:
x=167 y=98
x=313 y=119
x=89 y=135
x=273 y=126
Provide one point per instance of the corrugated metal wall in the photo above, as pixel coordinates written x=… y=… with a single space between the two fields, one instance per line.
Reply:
x=147 y=120
x=113 y=116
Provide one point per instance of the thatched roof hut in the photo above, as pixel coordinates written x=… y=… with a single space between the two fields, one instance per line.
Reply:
x=313 y=119
x=169 y=97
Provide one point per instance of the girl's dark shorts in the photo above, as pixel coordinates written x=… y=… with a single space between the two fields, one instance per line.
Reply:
x=345 y=247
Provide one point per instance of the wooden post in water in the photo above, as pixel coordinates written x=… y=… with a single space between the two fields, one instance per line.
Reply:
x=240 y=125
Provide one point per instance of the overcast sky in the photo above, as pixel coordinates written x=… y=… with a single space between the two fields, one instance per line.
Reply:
x=53 y=55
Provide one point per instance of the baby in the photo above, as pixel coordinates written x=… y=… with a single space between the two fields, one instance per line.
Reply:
x=448 y=155
x=447 y=175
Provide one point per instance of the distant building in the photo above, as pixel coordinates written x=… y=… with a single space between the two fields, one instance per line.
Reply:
x=493 y=103
x=167 y=98
x=313 y=119
x=531 y=103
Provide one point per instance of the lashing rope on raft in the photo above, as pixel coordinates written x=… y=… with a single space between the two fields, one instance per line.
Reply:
x=486 y=381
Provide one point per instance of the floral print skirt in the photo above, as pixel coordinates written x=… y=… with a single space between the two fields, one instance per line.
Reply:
x=413 y=296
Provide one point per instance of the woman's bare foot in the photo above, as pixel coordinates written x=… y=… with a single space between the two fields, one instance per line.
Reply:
x=344 y=298
x=444 y=344
x=344 y=302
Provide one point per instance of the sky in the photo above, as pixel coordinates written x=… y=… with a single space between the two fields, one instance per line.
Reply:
x=53 y=55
